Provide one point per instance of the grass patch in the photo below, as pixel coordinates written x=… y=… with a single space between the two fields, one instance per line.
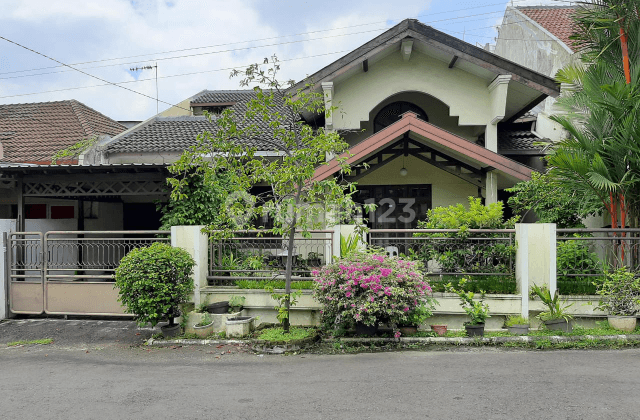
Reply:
x=276 y=284
x=490 y=284
x=278 y=334
x=26 y=342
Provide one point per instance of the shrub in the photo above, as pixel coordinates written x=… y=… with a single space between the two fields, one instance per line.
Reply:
x=457 y=252
x=153 y=282
x=574 y=256
x=477 y=310
x=620 y=293
x=370 y=288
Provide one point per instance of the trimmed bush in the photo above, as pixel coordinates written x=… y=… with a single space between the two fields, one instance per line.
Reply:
x=153 y=281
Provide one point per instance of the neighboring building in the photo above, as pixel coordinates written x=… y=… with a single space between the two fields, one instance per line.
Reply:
x=537 y=37
x=34 y=132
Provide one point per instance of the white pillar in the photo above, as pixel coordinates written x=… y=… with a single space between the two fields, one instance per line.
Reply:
x=327 y=88
x=192 y=240
x=535 y=259
x=6 y=226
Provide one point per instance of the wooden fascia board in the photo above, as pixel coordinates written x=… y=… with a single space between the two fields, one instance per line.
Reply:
x=410 y=122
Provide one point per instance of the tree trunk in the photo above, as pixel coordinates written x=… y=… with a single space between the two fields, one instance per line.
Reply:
x=625 y=54
x=290 y=247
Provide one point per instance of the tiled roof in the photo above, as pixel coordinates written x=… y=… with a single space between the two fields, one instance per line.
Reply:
x=517 y=137
x=34 y=132
x=527 y=117
x=174 y=134
x=557 y=20
x=222 y=96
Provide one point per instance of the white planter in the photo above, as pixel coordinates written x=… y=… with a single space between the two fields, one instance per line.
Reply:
x=622 y=323
x=204 y=331
x=239 y=326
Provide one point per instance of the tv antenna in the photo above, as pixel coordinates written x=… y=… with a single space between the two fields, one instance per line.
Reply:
x=150 y=68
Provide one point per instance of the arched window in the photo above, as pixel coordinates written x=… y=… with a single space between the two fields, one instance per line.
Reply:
x=392 y=112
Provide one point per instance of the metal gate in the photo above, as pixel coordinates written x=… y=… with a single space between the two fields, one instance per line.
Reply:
x=70 y=272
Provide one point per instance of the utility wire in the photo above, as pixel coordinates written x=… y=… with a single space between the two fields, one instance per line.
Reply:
x=90 y=75
x=168 y=77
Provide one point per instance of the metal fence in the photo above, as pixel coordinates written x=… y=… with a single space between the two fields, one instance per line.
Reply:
x=92 y=255
x=584 y=255
x=256 y=255
x=485 y=256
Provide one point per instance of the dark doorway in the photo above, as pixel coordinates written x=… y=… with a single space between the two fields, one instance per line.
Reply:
x=141 y=216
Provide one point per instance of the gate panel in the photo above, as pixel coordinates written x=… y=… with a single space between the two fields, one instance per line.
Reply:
x=26 y=286
x=80 y=265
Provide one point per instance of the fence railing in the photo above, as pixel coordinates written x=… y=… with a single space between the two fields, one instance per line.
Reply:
x=583 y=256
x=92 y=255
x=256 y=255
x=485 y=256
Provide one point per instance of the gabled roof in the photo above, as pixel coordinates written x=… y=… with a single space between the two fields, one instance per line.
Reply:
x=555 y=19
x=518 y=138
x=222 y=96
x=444 y=43
x=34 y=132
x=174 y=134
x=444 y=139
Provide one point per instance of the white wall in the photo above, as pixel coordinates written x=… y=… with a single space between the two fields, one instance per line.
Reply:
x=6 y=225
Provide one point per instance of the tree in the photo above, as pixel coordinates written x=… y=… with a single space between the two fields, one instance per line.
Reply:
x=551 y=201
x=272 y=121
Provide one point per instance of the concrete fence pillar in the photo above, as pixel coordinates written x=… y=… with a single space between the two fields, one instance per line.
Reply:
x=192 y=240
x=535 y=259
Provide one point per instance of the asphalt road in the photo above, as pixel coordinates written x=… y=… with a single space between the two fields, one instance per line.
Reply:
x=116 y=381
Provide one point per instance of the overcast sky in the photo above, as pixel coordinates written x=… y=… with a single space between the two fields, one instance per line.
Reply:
x=216 y=35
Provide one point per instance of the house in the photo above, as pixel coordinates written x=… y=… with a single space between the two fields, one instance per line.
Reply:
x=436 y=119
x=537 y=37
x=34 y=132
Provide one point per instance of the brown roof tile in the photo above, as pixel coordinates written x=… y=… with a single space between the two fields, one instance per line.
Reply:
x=557 y=20
x=34 y=132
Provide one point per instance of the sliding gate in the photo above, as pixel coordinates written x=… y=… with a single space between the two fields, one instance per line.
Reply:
x=71 y=272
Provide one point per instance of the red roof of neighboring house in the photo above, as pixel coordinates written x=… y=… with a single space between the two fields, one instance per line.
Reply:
x=33 y=133
x=557 y=20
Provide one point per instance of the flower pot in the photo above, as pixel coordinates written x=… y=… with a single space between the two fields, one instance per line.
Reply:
x=239 y=326
x=519 y=329
x=408 y=329
x=559 y=325
x=203 y=331
x=218 y=307
x=170 y=331
x=441 y=330
x=363 y=329
x=622 y=323
x=474 y=330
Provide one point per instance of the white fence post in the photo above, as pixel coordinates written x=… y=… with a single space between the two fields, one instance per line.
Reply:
x=535 y=259
x=192 y=240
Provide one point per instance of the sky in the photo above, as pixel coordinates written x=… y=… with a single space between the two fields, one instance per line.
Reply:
x=196 y=43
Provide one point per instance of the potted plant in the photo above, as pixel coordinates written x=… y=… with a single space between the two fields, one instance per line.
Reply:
x=620 y=297
x=441 y=329
x=153 y=281
x=204 y=328
x=236 y=304
x=415 y=318
x=365 y=289
x=517 y=324
x=555 y=317
x=477 y=310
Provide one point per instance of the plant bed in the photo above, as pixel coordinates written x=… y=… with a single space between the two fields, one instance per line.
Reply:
x=239 y=326
x=276 y=341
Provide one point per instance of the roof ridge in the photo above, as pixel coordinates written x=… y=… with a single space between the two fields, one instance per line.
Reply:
x=82 y=119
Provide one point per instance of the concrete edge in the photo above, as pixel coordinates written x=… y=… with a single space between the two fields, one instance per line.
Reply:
x=425 y=340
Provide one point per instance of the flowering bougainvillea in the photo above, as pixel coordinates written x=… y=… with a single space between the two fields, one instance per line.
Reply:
x=370 y=288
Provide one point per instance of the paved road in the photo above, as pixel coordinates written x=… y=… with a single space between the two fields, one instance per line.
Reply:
x=120 y=382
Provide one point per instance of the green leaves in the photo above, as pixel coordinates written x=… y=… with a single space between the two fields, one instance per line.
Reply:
x=152 y=282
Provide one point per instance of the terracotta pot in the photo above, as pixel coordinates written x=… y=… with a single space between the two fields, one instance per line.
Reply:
x=441 y=330
x=408 y=329
x=622 y=323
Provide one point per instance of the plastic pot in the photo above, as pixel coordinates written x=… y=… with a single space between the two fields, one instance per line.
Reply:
x=474 y=330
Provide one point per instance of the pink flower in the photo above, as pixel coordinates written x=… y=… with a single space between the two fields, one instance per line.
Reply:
x=372 y=298
x=348 y=294
x=378 y=257
x=384 y=272
x=406 y=309
x=315 y=272
x=397 y=334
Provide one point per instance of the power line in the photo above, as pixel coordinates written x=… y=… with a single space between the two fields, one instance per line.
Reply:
x=283 y=36
x=90 y=75
x=167 y=77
